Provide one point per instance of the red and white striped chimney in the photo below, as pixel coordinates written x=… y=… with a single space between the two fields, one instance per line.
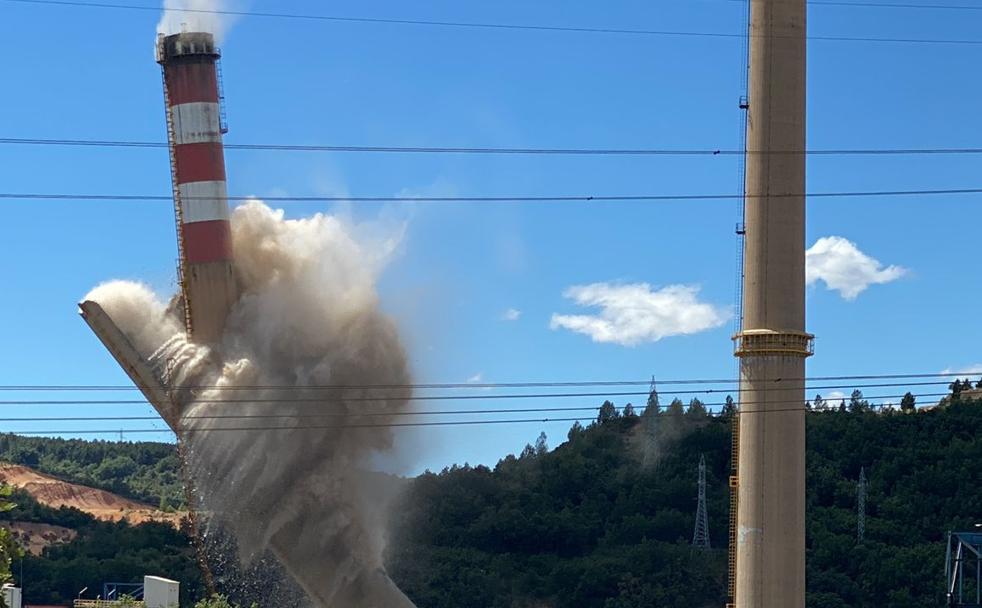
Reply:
x=198 y=171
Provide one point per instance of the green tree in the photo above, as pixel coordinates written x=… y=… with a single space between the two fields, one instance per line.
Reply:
x=541 y=444
x=652 y=406
x=857 y=403
x=218 y=601
x=629 y=411
x=607 y=413
x=729 y=407
x=697 y=409
x=908 y=404
x=818 y=404
x=675 y=409
x=8 y=546
x=574 y=431
x=956 y=388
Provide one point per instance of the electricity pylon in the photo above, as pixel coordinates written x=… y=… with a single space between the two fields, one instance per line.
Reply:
x=700 y=536
x=861 y=488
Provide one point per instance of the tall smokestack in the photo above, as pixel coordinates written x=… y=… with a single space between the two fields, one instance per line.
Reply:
x=195 y=127
x=772 y=344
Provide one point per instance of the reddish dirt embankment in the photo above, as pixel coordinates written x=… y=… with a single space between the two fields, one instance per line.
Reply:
x=35 y=537
x=100 y=504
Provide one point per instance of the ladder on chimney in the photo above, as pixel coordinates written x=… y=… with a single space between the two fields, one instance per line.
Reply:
x=734 y=505
x=178 y=209
x=741 y=232
x=220 y=81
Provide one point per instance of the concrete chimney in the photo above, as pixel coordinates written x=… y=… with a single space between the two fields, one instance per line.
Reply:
x=195 y=127
x=772 y=344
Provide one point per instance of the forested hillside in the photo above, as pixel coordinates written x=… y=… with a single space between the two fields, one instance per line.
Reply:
x=148 y=472
x=101 y=552
x=590 y=525
x=605 y=519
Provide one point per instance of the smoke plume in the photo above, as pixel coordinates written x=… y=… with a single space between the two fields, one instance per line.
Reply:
x=213 y=16
x=293 y=403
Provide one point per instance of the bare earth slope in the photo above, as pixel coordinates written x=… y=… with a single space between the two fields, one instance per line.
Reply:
x=100 y=504
x=35 y=537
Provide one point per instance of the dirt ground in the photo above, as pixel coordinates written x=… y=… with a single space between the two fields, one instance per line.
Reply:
x=100 y=504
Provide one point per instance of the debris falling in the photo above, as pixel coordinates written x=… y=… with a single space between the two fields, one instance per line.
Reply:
x=297 y=399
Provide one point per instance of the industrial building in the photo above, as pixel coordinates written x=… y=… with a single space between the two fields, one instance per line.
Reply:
x=154 y=592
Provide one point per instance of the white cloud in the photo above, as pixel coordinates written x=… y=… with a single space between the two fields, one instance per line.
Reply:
x=512 y=314
x=633 y=313
x=475 y=379
x=968 y=370
x=844 y=268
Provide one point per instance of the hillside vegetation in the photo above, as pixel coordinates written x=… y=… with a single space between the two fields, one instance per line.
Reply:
x=100 y=552
x=589 y=525
x=604 y=520
x=147 y=472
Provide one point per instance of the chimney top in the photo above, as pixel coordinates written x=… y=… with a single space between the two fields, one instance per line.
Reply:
x=185 y=44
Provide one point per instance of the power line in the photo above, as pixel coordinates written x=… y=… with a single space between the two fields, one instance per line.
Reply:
x=385 y=21
x=105 y=143
x=583 y=198
x=892 y=5
x=956 y=7
x=297 y=416
x=493 y=26
x=470 y=397
x=375 y=425
x=476 y=385
x=298 y=428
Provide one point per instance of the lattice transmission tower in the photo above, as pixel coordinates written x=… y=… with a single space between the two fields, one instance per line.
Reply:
x=861 y=488
x=700 y=535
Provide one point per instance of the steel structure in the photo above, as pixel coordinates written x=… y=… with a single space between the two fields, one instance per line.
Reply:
x=115 y=591
x=772 y=344
x=700 y=534
x=964 y=552
x=861 y=488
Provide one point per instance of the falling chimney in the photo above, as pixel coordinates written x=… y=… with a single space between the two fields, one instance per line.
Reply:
x=195 y=125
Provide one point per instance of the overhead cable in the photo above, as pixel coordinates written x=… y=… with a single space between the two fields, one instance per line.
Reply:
x=469 y=397
x=379 y=425
x=474 y=385
x=887 y=5
x=497 y=26
x=901 y=5
x=358 y=414
x=577 y=151
x=582 y=198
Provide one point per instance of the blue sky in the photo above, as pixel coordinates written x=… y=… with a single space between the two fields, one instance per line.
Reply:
x=85 y=73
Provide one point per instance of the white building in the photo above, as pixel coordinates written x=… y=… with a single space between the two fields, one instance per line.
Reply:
x=160 y=592
x=11 y=596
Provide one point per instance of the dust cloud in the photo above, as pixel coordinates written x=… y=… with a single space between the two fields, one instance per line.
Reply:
x=280 y=421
